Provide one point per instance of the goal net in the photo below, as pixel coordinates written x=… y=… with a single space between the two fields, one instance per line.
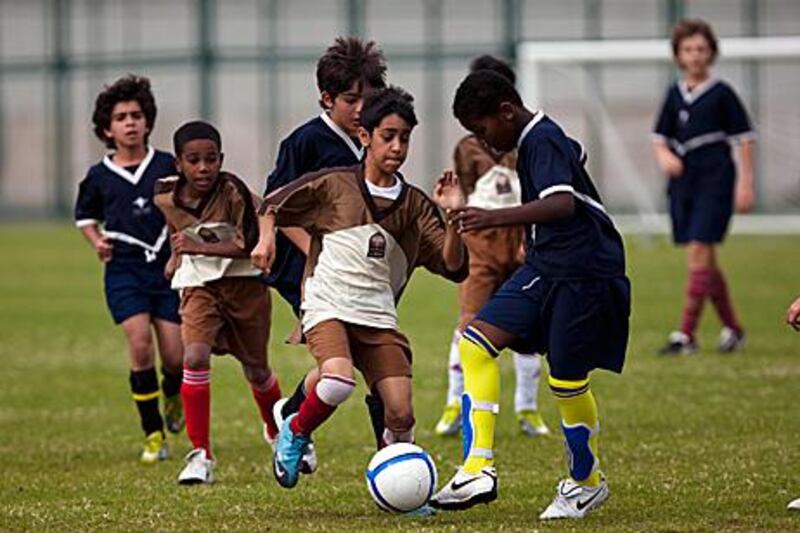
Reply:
x=607 y=93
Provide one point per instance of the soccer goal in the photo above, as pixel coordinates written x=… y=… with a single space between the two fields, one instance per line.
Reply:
x=607 y=92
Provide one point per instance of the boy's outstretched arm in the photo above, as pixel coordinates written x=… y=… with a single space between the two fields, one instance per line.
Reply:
x=555 y=207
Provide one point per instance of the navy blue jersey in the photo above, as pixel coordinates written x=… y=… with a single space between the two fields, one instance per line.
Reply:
x=585 y=245
x=122 y=201
x=317 y=144
x=698 y=127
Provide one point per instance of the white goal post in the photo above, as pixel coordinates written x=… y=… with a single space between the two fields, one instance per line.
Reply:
x=536 y=58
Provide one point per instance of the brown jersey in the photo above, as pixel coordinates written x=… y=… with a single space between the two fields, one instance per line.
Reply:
x=223 y=303
x=488 y=178
x=226 y=214
x=364 y=247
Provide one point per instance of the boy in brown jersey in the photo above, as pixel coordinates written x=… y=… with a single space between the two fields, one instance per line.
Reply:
x=489 y=180
x=369 y=230
x=224 y=305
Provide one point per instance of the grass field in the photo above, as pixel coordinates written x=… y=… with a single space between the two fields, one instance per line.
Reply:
x=702 y=443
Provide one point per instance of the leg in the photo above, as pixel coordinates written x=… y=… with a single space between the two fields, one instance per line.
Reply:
x=170 y=347
x=700 y=264
x=143 y=377
x=527 y=371
x=196 y=394
x=266 y=392
x=732 y=336
x=398 y=410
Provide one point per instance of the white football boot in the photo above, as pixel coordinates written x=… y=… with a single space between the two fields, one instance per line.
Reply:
x=466 y=490
x=574 y=500
x=308 y=464
x=794 y=505
x=199 y=468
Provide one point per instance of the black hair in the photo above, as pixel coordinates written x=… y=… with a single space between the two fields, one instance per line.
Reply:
x=191 y=131
x=130 y=88
x=348 y=60
x=496 y=65
x=384 y=102
x=481 y=93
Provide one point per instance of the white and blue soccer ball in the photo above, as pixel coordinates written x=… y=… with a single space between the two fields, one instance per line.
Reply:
x=401 y=477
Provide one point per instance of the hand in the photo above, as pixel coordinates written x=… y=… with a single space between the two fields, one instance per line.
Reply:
x=171 y=267
x=745 y=198
x=671 y=165
x=447 y=192
x=470 y=219
x=793 y=315
x=181 y=244
x=263 y=255
x=104 y=249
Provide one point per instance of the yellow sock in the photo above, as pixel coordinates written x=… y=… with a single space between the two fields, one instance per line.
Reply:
x=580 y=424
x=480 y=402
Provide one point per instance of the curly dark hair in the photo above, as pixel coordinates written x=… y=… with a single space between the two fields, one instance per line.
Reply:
x=384 y=102
x=131 y=87
x=350 y=60
x=480 y=95
x=496 y=65
x=687 y=28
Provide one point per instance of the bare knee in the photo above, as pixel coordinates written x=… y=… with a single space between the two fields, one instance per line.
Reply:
x=256 y=375
x=399 y=419
x=700 y=256
x=196 y=356
x=141 y=349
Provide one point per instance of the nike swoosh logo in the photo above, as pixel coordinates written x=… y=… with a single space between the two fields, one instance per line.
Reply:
x=278 y=469
x=582 y=504
x=459 y=486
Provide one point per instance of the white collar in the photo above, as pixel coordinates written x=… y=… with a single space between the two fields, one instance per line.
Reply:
x=537 y=116
x=392 y=192
x=124 y=172
x=700 y=89
x=358 y=152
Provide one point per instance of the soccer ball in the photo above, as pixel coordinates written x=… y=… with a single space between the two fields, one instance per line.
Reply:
x=401 y=477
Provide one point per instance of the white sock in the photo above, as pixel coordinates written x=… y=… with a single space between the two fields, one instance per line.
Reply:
x=455 y=376
x=527 y=368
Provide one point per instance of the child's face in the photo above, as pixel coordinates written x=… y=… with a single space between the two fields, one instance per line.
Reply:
x=496 y=130
x=200 y=161
x=388 y=144
x=694 y=55
x=345 y=109
x=128 y=126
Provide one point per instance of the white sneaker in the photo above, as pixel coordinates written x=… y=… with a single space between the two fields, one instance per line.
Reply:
x=794 y=505
x=466 y=490
x=574 y=500
x=267 y=438
x=199 y=468
x=308 y=464
x=730 y=340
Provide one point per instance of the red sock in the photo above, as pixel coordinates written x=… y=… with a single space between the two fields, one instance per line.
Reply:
x=196 y=395
x=313 y=412
x=697 y=288
x=266 y=395
x=720 y=297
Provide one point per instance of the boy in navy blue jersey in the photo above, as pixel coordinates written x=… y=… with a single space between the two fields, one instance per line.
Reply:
x=348 y=69
x=570 y=300
x=117 y=193
x=700 y=117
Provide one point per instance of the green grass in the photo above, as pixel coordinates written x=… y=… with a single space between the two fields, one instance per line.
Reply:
x=702 y=443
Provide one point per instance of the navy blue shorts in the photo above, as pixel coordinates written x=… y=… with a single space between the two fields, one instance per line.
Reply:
x=133 y=288
x=702 y=217
x=580 y=324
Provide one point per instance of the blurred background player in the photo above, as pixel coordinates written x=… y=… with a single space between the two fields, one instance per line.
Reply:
x=224 y=305
x=347 y=70
x=700 y=117
x=489 y=180
x=570 y=300
x=793 y=319
x=369 y=231
x=117 y=193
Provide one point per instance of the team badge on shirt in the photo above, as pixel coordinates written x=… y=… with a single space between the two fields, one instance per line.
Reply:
x=377 y=246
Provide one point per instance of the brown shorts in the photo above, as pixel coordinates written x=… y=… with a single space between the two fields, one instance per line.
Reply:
x=231 y=315
x=376 y=353
x=494 y=255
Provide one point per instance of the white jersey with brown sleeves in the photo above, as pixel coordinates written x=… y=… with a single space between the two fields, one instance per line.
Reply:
x=488 y=178
x=364 y=246
x=225 y=214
